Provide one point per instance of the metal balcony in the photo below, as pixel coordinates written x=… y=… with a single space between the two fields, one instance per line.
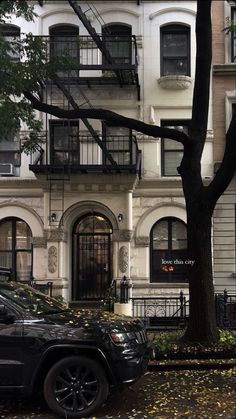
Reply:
x=81 y=154
x=78 y=60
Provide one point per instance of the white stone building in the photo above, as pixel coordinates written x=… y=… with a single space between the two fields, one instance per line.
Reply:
x=79 y=215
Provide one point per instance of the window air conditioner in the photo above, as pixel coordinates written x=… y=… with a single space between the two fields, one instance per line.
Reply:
x=7 y=169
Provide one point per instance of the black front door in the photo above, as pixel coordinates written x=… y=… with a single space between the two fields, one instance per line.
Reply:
x=92 y=258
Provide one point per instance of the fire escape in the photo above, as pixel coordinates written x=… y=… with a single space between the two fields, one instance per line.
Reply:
x=76 y=147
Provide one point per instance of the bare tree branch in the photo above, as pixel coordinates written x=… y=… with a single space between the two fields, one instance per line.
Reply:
x=227 y=168
x=111 y=118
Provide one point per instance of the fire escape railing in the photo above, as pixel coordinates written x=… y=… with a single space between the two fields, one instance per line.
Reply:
x=83 y=154
x=79 y=55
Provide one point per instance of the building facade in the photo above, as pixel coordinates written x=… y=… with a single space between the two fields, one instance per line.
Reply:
x=224 y=104
x=95 y=202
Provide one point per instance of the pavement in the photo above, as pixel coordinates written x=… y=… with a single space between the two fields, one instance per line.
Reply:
x=164 y=392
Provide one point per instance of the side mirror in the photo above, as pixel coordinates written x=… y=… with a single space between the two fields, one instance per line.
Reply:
x=5 y=316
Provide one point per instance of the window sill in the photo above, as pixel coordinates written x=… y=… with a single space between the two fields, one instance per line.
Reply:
x=175 y=82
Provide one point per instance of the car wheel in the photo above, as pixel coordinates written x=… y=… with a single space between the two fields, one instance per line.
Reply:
x=75 y=386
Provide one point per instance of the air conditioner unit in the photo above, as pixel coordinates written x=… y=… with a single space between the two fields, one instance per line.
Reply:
x=7 y=169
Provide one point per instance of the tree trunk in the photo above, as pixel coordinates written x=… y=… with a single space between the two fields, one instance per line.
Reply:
x=202 y=320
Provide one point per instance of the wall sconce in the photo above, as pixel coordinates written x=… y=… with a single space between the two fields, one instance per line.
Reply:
x=53 y=217
x=120 y=217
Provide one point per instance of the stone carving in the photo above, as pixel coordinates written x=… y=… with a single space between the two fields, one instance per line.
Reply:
x=56 y=235
x=175 y=82
x=39 y=242
x=123 y=259
x=52 y=259
x=122 y=235
x=142 y=241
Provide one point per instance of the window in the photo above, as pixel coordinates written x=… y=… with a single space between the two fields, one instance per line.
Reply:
x=119 y=143
x=233 y=39
x=175 y=50
x=16 y=248
x=118 y=42
x=11 y=35
x=168 y=250
x=172 y=151
x=64 y=43
x=65 y=145
x=10 y=151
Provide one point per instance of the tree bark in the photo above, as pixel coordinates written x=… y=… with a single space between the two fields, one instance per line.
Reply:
x=202 y=326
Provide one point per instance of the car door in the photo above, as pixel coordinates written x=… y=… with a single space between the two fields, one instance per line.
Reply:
x=11 y=346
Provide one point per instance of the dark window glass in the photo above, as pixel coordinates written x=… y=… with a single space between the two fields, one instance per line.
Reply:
x=118 y=41
x=10 y=151
x=175 y=50
x=16 y=248
x=64 y=44
x=168 y=250
x=65 y=145
x=172 y=151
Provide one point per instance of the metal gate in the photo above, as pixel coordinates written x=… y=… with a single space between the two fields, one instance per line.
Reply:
x=92 y=258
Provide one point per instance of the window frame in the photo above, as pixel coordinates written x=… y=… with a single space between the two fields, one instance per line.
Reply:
x=175 y=29
x=171 y=276
x=233 y=36
x=118 y=30
x=14 y=249
x=167 y=123
x=71 y=152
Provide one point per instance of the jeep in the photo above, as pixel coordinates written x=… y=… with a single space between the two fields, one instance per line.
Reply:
x=76 y=358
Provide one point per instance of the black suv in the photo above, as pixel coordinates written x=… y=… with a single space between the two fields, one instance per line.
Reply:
x=75 y=357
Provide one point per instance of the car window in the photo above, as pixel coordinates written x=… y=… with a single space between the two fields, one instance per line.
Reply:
x=30 y=299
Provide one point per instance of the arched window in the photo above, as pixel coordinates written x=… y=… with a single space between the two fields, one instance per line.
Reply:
x=64 y=43
x=16 y=248
x=118 y=41
x=11 y=35
x=168 y=251
x=175 y=50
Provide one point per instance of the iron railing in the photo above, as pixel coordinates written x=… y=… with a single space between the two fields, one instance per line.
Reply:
x=78 y=53
x=226 y=310
x=82 y=153
x=165 y=312
x=158 y=312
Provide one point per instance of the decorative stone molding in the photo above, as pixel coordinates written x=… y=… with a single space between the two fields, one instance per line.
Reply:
x=174 y=82
x=123 y=259
x=142 y=241
x=122 y=235
x=52 y=259
x=39 y=242
x=56 y=235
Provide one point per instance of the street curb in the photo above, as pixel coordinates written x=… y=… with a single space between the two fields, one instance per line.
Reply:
x=194 y=364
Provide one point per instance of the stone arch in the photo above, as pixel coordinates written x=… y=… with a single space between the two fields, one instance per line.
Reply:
x=19 y=210
x=151 y=216
x=85 y=207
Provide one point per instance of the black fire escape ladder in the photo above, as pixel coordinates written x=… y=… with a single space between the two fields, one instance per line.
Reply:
x=94 y=134
x=96 y=38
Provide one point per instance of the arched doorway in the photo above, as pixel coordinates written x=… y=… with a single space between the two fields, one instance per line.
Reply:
x=92 y=257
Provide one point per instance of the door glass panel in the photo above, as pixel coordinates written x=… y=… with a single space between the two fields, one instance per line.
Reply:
x=93 y=257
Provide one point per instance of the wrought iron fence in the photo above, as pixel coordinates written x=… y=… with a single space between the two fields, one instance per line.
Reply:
x=161 y=312
x=165 y=312
x=226 y=310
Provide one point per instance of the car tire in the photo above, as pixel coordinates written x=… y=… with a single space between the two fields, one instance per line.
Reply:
x=75 y=386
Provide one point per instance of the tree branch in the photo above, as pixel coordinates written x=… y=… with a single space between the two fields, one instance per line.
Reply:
x=198 y=126
x=111 y=118
x=227 y=168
